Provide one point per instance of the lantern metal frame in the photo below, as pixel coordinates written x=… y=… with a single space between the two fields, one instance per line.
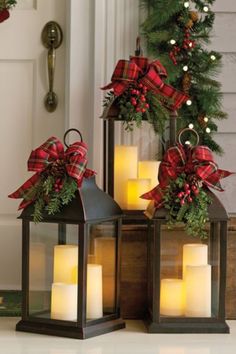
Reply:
x=156 y=323
x=90 y=206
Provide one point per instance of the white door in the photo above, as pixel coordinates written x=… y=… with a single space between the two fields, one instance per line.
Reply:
x=24 y=122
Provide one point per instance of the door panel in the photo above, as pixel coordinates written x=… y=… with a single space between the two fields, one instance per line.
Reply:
x=24 y=122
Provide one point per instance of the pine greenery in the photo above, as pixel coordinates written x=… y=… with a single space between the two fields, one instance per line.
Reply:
x=193 y=214
x=47 y=199
x=7 y=4
x=168 y=20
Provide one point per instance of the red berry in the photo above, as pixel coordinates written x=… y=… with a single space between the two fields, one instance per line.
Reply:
x=137 y=92
x=193 y=188
x=186 y=186
x=133 y=92
x=190 y=199
x=143 y=110
x=140 y=85
x=182 y=202
x=134 y=102
x=138 y=109
x=188 y=192
x=196 y=192
x=180 y=194
x=146 y=105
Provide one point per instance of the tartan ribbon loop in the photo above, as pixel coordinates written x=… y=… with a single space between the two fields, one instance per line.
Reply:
x=197 y=161
x=48 y=154
x=150 y=74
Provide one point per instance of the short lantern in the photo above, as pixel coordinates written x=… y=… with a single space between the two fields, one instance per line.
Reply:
x=71 y=267
x=187 y=276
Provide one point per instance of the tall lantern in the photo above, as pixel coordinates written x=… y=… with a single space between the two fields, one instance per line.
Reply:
x=187 y=273
x=71 y=250
x=138 y=92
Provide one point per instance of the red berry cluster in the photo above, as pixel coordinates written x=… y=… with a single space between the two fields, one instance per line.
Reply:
x=187 y=195
x=188 y=44
x=58 y=185
x=138 y=98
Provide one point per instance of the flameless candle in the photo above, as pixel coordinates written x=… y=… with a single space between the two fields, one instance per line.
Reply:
x=125 y=167
x=149 y=169
x=64 y=302
x=65 y=264
x=94 y=291
x=194 y=254
x=137 y=187
x=198 y=291
x=172 y=297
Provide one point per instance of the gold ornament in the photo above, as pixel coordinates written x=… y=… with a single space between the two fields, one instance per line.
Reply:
x=186 y=82
x=189 y=24
x=194 y=16
x=202 y=121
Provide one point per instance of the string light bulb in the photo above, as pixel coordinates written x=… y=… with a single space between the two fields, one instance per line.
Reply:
x=205 y=8
x=191 y=126
x=208 y=130
x=185 y=68
x=189 y=102
x=186 y=4
x=205 y=119
x=187 y=142
x=213 y=57
x=172 y=41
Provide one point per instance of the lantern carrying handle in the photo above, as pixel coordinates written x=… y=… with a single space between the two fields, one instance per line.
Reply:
x=72 y=130
x=190 y=130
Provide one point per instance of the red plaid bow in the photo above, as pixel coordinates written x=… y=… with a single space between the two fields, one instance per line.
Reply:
x=197 y=161
x=151 y=75
x=48 y=154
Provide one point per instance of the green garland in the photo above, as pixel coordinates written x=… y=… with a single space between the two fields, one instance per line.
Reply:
x=177 y=35
x=187 y=202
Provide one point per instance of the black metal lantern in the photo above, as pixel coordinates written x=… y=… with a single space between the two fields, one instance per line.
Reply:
x=71 y=267
x=187 y=277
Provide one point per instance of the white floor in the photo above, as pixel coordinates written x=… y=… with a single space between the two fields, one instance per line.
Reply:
x=131 y=340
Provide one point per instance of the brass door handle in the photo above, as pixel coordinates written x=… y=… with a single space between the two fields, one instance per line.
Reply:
x=52 y=38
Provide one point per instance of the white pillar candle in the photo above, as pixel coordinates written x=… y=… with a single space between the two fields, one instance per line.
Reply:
x=125 y=167
x=172 y=297
x=198 y=291
x=149 y=169
x=64 y=302
x=194 y=254
x=94 y=291
x=137 y=187
x=65 y=267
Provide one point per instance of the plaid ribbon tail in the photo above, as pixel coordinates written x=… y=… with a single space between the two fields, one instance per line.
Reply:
x=155 y=194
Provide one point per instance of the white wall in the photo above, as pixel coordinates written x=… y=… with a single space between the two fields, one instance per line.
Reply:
x=224 y=41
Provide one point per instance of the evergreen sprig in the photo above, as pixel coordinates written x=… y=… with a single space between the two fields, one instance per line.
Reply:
x=7 y=4
x=193 y=213
x=47 y=199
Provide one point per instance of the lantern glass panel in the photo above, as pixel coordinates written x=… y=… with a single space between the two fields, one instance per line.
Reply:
x=101 y=270
x=189 y=273
x=53 y=271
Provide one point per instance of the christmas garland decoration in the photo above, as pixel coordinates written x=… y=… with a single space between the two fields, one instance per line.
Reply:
x=140 y=93
x=179 y=35
x=5 y=6
x=58 y=176
x=185 y=174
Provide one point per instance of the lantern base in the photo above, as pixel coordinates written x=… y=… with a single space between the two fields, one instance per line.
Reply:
x=70 y=331
x=201 y=325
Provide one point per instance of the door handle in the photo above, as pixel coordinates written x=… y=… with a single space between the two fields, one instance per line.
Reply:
x=52 y=38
